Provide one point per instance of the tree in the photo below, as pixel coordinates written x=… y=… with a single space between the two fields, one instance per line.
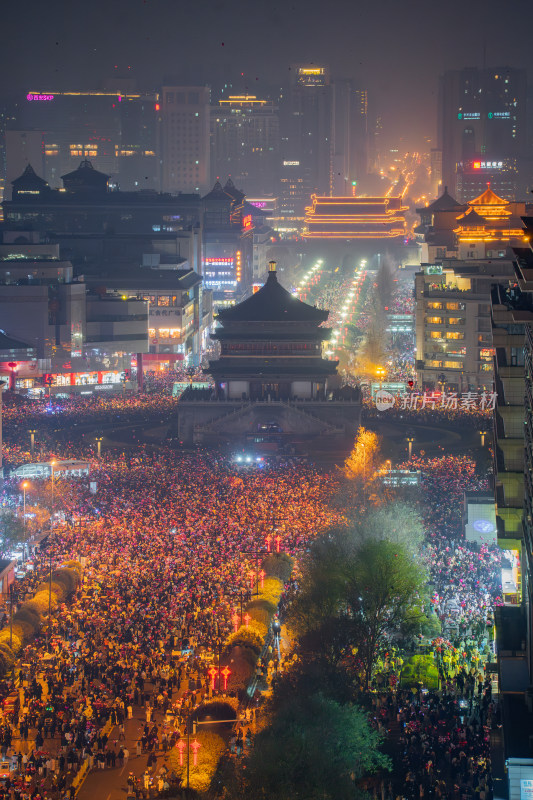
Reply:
x=373 y=350
x=396 y=522
x=363 y=459
x=315 y=749
x=359 y=595
x=385 y=595
x=11 y=532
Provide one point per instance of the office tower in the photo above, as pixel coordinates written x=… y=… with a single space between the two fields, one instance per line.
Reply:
x=245 y=143
x=482 y=130
x=185 y=152
x=348 y=137
x=307 y=128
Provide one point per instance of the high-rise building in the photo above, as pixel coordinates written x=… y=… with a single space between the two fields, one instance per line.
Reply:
x=307 y=128
x=349 y=136
x=453 y=324
x=184 y=113
x=482 y=129
x=245 y=143
x=115 y=127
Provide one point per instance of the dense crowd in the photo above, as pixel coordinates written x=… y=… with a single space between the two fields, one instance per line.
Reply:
x=168 y=543
x=444 y=737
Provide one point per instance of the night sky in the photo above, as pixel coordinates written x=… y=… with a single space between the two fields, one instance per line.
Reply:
x=395 y=49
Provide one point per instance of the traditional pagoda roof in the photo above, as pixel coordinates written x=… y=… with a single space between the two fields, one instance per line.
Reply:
x=443 y=203
x=29 y=179
x=85 y=177
x=272 y=303
x=489 y=204
x=217 y=194
x=471 y=218
x=233 y=192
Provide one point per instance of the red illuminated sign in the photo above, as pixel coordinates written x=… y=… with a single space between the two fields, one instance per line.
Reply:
x=477 y=164
x=40 y=97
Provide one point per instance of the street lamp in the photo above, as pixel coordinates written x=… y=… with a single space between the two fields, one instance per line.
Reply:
x=32 y=433
x=25 y=485
x=99 y=440
x=410 y=439
x=52 y=465
x=483 y=433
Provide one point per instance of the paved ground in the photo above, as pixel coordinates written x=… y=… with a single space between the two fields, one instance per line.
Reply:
x=110 y=784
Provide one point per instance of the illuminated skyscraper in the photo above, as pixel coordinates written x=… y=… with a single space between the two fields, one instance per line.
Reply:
x=245 y=143
x=482 y=129
x=307 y=128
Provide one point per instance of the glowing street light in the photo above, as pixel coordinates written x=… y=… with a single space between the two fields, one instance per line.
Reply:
x=32 y=433
x=25 y=485
x=268 y=539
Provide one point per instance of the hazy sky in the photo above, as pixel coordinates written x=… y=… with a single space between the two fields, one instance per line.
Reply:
x=395 y=48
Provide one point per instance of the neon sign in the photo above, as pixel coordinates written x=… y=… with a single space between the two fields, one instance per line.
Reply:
x=39 y=97
x=247 y=221
x=487 y=164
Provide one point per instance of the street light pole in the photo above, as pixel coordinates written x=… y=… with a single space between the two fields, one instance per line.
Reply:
x=99 y=440
x=24 y=487
x=52 y=464
x=32 y=441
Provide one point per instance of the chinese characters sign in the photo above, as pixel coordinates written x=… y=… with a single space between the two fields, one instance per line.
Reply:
x=448 y=401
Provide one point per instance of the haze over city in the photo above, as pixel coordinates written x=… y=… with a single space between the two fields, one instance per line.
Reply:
x=266 y=400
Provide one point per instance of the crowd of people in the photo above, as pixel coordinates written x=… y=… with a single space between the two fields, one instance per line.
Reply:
x=443 y=737
x=169 y=544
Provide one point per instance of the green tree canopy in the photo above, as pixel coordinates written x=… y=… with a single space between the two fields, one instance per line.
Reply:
x=11 y=532
x=313 y=750
x=359 y=595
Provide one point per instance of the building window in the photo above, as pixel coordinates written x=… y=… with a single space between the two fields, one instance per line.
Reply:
x=435 y=306
x=434 y=320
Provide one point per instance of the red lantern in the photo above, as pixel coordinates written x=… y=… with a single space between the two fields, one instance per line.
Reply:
x=212 y=672
x=226 y=672
x=181 y=747
x=195 y=747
